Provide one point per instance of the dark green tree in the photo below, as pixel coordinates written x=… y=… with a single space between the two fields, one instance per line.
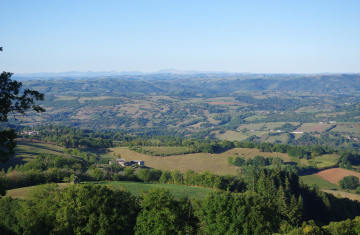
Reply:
x=349 y=182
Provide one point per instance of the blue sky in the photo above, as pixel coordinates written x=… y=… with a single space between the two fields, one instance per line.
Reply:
x=235 y=36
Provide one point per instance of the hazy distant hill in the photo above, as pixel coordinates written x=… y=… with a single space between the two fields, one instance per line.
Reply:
x=212 y=83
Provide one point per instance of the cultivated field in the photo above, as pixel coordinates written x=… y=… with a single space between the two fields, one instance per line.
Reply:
x=312 y=127
x=335 y=174
x=350 y=128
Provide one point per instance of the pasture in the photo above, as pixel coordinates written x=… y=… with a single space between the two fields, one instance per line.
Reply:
x=26 y=151
x=165 y=150
x=134 y=187
x=232 y=136
x=343 y=194
x=326 y=160
x=22 y=193
x=314 y=179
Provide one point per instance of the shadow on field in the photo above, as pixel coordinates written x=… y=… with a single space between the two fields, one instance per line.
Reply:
x=13 y=162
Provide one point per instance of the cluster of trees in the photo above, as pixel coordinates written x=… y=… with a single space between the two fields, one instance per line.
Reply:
x=348 y=158
x=76 y=152
x=258 y=161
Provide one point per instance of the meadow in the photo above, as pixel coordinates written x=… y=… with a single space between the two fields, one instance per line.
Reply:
x=26 y=151
x=178 y=191
x=136 y=188
x=326 y=160
x=314 y=179
x=165 y=150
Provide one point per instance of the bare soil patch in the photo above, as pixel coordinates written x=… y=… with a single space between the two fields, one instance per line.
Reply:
x=335 y=174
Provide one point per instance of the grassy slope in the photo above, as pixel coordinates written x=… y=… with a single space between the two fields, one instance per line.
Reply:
x=177 y=190
x=21 y=193
x=134 y=187
x=165 y=150
x=314 y=179
x=27 y=151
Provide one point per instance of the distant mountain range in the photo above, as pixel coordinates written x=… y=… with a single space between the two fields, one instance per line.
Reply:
x=77 y=74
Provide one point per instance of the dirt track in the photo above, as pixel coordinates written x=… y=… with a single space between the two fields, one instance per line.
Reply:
x=335 y=174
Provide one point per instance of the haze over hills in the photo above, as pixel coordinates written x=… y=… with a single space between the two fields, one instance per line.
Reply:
x=76 y=74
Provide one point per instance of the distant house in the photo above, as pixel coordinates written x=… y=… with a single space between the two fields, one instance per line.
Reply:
x=297 y=132
x=120 y=161
x=30 y=133
x=140 y=163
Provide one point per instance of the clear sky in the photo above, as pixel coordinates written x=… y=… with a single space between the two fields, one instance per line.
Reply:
x=236 y=36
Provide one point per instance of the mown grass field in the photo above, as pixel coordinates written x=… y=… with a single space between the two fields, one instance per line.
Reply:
x=22 y=193
x=165 y=150
x=326 y=160
x=177 y=190
x=314 y=179
x=343 y=194
x=134 y=187
x=199 y=162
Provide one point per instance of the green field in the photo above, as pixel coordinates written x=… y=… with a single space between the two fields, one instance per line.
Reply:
x=314 y=179
x=165 y=150
x=27 y=151
x=326 y=160
x=134 y=187
x=282 y=138
x=177 y=190
x=255 y=117
x=232 y=136
x=21 y=193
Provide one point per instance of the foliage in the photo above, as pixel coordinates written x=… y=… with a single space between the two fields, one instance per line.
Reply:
x=161 y=214
x=349 y=182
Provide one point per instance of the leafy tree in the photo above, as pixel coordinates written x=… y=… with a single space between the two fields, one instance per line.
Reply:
x=349 y=182
x=165 y=177
x=91 y=209
x=129 y=173
x=161 y=214
x=15 y=102
x=96 y=174
x=144 y=175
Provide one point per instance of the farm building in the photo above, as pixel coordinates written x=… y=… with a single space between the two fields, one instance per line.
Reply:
x=140 y=163
x=120 y=161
